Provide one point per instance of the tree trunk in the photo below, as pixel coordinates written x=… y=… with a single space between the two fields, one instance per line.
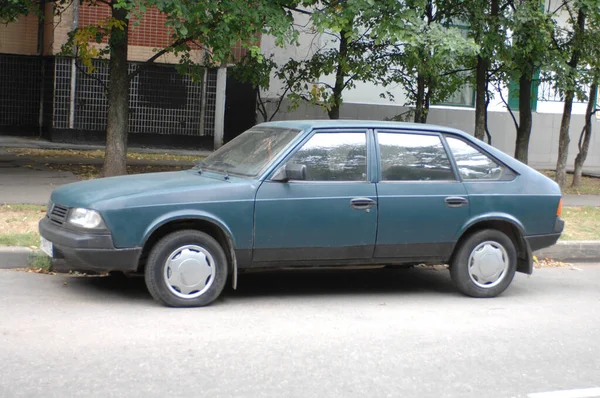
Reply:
x=482 y=81
x=115 y=159
x=480 y=101
x=420 y=100
x=340 y=77
x=525 y=122
x=584 y=145
x=426 y=105
x=564 y=139
x=487 y=104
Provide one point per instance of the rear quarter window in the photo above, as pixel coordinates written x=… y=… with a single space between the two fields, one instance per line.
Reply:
x=474 y=164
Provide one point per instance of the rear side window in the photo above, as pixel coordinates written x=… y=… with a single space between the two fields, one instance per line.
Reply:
x=472 y=163
x=413 y=157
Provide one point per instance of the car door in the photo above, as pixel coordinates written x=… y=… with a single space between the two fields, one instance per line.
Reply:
x=331 y=215
x=422 y=204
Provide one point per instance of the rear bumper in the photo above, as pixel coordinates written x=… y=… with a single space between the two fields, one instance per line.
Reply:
x=537 y=242
x=88 y=251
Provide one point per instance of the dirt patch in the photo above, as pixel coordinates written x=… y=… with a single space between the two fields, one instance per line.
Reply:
x=589 y=185
x=20 y=220
x=97 y=154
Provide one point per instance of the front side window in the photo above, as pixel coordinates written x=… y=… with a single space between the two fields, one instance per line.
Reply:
x=413 y=157
x=251 y=152
x=334 y=157
x=472 y=163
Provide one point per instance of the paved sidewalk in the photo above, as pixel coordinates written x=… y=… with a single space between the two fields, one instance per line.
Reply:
x=23 y=142
x=581 y=200
x=24 y=182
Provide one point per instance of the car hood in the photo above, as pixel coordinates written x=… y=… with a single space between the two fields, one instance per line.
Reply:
x=97 y=193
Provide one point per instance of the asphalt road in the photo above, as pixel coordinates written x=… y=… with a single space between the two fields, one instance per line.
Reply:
x=400 y=333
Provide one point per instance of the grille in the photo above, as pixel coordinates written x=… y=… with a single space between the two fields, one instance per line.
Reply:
x=58 y=214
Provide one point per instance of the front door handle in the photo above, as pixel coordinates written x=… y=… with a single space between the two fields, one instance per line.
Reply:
x=362 y=203
x=456 y=201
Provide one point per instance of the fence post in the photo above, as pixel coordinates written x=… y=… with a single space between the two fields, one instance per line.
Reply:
x=220 y=107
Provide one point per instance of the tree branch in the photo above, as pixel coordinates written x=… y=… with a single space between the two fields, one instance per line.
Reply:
x=279 y=102
x=261 y=105
x=453 y=72
x=158 y=55
x=102 y=83
x=298 y=10
x=512 y=115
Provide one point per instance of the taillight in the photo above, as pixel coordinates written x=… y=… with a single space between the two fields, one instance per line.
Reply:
x=559 y=210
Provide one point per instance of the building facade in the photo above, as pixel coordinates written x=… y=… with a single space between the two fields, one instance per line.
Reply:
x=364 y=102
x=52 y=96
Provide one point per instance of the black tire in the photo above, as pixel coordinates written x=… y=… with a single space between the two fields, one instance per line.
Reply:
x=157 y=261
x=459 y=269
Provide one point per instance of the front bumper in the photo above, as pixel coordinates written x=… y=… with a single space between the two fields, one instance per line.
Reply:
x=88 y=251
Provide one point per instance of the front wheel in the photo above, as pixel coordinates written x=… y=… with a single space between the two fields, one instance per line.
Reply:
x=186 y=269
x=485 y=264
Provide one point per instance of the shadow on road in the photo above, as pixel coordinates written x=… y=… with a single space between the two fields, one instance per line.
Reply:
x=289 y=284
x=341 y=282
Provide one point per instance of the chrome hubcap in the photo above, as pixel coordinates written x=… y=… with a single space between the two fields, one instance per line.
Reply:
x=488 y=264
x=189 y=271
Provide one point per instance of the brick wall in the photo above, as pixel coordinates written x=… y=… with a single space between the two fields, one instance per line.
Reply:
x=20 y=37
x=150 y=32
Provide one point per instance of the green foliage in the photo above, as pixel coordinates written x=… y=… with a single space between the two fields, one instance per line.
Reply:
x=434 y=56
x=40 y=261
x=357 y=40
x=11 y=10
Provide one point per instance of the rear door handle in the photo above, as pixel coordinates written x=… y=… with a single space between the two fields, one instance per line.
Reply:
x=362 y=203
x=456 y=201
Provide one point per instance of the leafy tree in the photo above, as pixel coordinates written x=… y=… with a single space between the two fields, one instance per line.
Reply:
x=573 y=41
x=590 y=58
x=529 y=51
x=359 y=50
x=487 y=26
x=432 y=54
x=218 y=25
x=257 y=71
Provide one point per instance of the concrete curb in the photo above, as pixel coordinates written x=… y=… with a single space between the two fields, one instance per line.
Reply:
x=14 y=257
x=565 y=251
x=572 y=251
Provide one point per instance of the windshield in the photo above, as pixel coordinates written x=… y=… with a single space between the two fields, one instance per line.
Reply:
x=248 y=154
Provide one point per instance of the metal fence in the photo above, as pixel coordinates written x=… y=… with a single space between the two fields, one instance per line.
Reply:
x=547 y=92
x=21 y=82
x=161 y=100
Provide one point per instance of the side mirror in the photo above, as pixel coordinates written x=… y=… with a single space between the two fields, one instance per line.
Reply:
x=291 y=171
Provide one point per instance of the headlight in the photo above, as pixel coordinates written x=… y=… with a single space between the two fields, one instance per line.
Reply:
x=86 y=218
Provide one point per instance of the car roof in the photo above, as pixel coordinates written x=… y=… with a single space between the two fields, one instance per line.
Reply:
x=312 y=124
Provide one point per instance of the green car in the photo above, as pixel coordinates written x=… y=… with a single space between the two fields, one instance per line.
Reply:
x=310 y=194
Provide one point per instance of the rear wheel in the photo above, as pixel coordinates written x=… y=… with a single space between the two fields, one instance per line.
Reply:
x=485 y=264
x=186 y=269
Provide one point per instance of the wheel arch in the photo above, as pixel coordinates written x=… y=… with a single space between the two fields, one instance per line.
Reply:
x=198 y=221
x=511 y=228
